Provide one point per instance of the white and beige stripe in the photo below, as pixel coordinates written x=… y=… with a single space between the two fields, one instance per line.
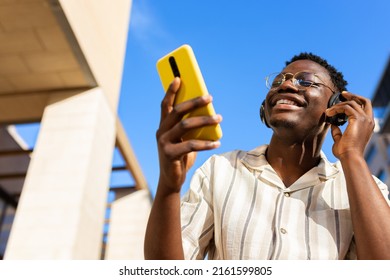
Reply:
x=238 y=208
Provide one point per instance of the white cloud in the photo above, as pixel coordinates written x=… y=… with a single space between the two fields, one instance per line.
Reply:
x=145 y=26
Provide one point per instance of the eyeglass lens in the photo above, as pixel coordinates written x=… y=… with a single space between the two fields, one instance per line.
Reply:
x=303 y=79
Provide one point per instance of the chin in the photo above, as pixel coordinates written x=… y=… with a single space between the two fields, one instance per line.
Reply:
x=283 y=123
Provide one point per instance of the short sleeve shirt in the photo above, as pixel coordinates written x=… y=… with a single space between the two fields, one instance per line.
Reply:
x=237 y=207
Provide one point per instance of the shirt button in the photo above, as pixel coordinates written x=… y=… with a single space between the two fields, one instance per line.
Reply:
x=287 y=194
x=283 y=231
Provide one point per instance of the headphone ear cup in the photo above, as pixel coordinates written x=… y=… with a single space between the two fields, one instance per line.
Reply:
x=333 y=100
x=338 y=119
x=262 y=114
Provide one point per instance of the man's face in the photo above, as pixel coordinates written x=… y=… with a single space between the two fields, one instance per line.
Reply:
x=297 y=107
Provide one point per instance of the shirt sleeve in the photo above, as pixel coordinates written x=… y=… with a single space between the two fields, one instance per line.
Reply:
x=197 y=218
x=351 y=254
x=383 y=188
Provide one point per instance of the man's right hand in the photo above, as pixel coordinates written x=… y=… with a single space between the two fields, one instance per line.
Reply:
x=163 y=232
x=175 y=155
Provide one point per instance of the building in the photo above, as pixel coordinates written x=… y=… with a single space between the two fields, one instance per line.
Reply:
x=61 y=67
x=378 y=150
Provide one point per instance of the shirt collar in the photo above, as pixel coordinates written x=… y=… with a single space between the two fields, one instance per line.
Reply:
x=256 y=160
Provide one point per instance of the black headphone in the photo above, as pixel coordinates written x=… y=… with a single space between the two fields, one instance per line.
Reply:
x=338 y=119
x=262 y=114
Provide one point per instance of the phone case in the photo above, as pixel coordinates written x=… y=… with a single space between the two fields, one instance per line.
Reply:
x=182 y=63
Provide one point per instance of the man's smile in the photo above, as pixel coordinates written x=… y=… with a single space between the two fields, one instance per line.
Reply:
x=287 y=101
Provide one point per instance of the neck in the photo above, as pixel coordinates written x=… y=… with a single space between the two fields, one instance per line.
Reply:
x=292 y=159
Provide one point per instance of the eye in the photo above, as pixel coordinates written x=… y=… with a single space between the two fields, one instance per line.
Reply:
x=278 y=80
x=276 y=83
x=305 y=83
x=305 y=79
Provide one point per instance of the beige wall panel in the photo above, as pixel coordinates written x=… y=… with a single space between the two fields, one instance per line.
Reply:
x=28 y=107
x=61 y=210
x=43 y=62
x=73 y=78
x=52 y=38
x=105 y=24
x=24 y=15
x=17 y=42
x=128 y=220
x=35 y=81
x=12 y=64
x=6 y=86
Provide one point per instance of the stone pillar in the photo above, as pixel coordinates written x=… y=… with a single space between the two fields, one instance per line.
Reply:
x=129 y=216
x=61 y=210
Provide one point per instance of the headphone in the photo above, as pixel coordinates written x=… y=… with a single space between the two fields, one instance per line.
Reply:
x=262 y=114
x=338 y=119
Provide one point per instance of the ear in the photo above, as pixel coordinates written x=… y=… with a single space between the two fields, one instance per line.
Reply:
x=262 y=113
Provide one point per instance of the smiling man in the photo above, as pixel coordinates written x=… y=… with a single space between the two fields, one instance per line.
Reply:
x=283 y=200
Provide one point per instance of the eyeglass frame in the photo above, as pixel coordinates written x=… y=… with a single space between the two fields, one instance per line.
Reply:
x=295 y=81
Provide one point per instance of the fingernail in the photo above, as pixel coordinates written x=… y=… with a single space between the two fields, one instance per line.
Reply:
x=208 y=97
x=217 y=117
x=215 y=144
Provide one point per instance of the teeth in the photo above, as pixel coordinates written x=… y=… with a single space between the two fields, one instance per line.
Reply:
x=286 y=101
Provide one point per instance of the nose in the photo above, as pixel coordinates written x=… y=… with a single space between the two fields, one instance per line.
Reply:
x=288 y=85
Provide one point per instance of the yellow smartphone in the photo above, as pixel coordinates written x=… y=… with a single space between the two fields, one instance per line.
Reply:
x=182 y=63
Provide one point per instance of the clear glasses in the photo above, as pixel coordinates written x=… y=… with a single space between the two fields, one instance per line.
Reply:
x=299 y=79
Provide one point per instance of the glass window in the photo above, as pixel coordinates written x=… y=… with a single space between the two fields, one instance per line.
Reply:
x=382 y=175
x=2 y=205
x=370 y=154
x=388 y=153
x=379 y=112
x=7 y=219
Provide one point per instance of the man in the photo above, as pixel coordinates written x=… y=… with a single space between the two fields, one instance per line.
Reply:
x=279 y=201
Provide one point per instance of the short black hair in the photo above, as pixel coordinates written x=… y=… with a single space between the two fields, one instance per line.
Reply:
x=336 y=76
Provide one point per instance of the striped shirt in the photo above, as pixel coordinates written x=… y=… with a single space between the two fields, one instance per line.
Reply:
x=237 y=207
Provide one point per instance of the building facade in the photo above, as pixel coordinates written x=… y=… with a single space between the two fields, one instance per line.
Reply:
x=378 y=150
x=61 y=66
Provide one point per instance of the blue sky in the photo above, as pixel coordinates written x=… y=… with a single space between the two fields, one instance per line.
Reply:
x=238 y=43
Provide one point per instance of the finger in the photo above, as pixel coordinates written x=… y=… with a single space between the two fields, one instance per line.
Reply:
x=351 y=108
x=363 y=102
x=178 y=150
x=341 y=108
x=354 y=112
x=336 y=133
x=189 y=124
x=180 y=110
x=169 y=98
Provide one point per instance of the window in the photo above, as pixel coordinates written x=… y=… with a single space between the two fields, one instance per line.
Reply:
x=382 y=175
x=370 y=154
x=7 y=214
x=388 y=153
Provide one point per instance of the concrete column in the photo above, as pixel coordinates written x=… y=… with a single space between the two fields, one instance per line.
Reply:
x=129 y=216
x=61 y=211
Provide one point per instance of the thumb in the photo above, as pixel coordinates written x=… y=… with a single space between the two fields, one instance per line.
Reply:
x=336 y=133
